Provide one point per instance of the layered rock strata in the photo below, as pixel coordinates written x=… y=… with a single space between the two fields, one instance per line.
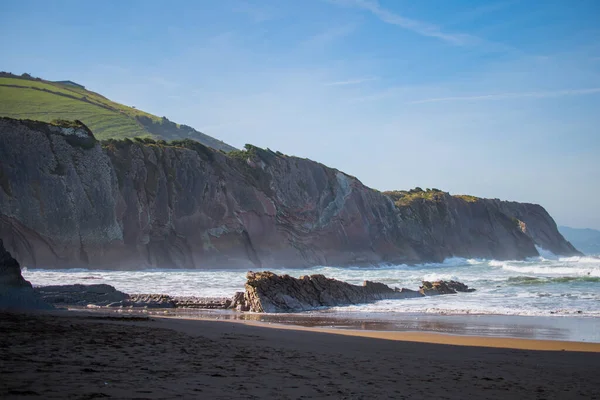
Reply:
x=67 y=200
x=103 y=295
x=265 y=292
x=271 y=293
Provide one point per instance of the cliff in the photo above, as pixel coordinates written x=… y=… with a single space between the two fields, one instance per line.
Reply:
x=67 y=200
x=439 y=225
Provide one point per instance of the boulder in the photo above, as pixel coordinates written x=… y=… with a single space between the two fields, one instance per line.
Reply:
x=238 y=302
x=443 y=287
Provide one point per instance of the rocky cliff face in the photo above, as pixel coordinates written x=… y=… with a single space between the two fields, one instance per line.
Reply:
x=15 y=291
x=10 y=270
x=535 y=222
x=441 y=225
x=69 y=201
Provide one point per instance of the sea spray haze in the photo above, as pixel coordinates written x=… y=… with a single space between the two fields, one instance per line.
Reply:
x=70 y=201
x=586 y=240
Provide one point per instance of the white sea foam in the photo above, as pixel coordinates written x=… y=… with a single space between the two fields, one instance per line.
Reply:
x=554 y=270
x=546 y=254
x=538 y=286
x=437 y=277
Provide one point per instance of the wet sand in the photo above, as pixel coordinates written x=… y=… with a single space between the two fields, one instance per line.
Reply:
x=84 y=355
x=572 y=329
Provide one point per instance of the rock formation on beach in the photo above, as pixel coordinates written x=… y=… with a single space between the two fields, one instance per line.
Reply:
x=10 y=270
x=81 y=295
x=271 y=293
x=15 y=291
x=103 y=295
x=264 y=292
x=67 y=200
x=443 y=287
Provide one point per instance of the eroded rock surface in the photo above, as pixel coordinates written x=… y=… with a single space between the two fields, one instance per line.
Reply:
x=443 y=287
x=166 y=301
x=271 y=293
x=67 y=201
x=264 y=292
x=103 y=295
x=15 y=292
x=81 y=295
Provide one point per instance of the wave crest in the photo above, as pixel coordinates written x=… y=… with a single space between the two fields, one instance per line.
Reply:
x=531 y=280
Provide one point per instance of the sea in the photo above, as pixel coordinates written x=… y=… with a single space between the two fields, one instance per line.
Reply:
x=563 y=288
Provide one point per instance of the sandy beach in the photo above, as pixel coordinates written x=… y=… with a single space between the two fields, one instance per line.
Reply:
x=86 y=356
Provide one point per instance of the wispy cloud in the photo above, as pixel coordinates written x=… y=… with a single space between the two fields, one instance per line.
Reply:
x=477 y=12
x=352 y=81
x=512 y=95
x=254 y=12
x=419 y=27
x=328 y=36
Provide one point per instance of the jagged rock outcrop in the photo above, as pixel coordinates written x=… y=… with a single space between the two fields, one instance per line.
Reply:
x=271 y=293
x=15 y=292
x=443 y=287
x=265 y=292
x=10 y=270
x=69 y=201
x=166 y=301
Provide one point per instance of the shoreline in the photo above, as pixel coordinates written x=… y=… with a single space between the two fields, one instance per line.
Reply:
x=434 y=328
x=66 y=354
x=422 y=337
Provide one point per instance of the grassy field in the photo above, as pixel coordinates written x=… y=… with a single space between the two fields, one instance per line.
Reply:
x=46 y=101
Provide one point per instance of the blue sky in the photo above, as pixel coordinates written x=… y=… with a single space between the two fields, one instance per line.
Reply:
x=498 y=99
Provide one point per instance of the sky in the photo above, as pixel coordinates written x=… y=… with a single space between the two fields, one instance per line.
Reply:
x=496 y=99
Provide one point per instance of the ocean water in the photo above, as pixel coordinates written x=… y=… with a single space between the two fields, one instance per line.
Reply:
x=543 y=286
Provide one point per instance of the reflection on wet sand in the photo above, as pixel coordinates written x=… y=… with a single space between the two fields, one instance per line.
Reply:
x=541 y=328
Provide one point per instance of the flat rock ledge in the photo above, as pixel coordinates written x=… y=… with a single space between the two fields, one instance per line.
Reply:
x=270 y=293
x=102 y=295
x=265 y=292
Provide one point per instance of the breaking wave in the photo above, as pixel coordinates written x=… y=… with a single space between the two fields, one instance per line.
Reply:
x=530 y=280
x=544 y=285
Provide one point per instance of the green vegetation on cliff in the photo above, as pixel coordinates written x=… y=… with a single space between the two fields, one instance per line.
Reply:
x=466 y=197
x=406 y=197
x=25 y=97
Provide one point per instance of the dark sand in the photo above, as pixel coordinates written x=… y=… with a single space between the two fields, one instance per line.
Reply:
x=86 y=356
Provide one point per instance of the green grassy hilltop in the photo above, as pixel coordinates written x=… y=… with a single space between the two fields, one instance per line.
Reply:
x=24 y=97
